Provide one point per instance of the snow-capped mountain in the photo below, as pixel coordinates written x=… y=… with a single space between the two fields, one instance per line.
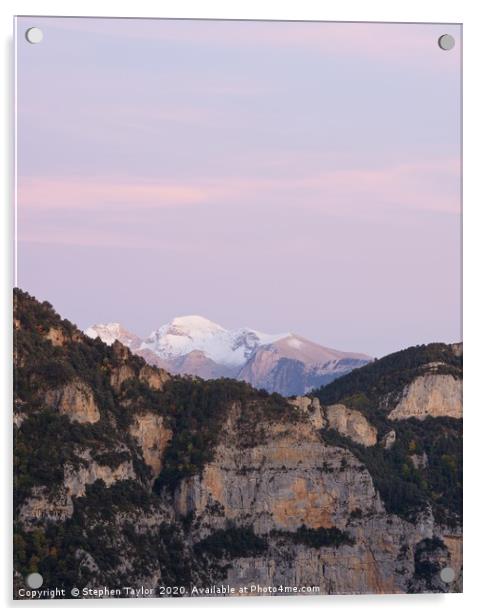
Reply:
x=286 y=363
x=109 y=332
x=193 y=333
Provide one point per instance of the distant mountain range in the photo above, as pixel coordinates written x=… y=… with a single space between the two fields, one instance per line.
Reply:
x=285 y=363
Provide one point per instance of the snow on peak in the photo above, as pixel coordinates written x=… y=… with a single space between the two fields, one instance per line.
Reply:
x=110 y=332
x=186 y=334
x=107 y=332
x=194 y=324
x=294 y=343
x=194 y=333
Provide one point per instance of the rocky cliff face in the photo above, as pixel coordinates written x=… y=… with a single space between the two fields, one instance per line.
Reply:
x=153 y=437
x=44 y=506
x=283 y=480
x=291 y=480
x=126 y=475
x=74 y=399
x=437 y=395
x=345 y=421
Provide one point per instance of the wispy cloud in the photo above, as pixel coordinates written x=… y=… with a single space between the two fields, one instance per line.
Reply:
x=354 y=192
x=93 y=193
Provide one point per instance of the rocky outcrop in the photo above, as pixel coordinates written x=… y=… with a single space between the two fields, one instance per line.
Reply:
x=76 y=400
x=153 y=377
x=56 y=336
x=153 y=437
x=348 y=422
x=388 y=439
x=435 y=395
x=120 y=374
x=76 y=479
x=124 y=370
x=419 y=460
x=312 y=408
x=352 y=424
x=44 y=505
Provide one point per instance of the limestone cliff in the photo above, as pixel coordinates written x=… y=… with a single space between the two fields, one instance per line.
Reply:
x=351 y=423
x=43 y=506
x=438 y=395
x=150 y=432
x=292 y=480
x=348 y=422
x=76 y=400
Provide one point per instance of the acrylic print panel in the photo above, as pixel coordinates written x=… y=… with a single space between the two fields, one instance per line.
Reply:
x=238 y=357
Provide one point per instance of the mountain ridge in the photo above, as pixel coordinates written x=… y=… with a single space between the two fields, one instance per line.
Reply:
x=195 y=345
x=127 y=475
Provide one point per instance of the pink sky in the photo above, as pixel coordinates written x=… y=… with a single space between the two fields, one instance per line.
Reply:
x=287 y=176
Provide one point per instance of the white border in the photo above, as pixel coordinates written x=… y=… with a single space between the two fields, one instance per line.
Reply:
x=455 y=11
